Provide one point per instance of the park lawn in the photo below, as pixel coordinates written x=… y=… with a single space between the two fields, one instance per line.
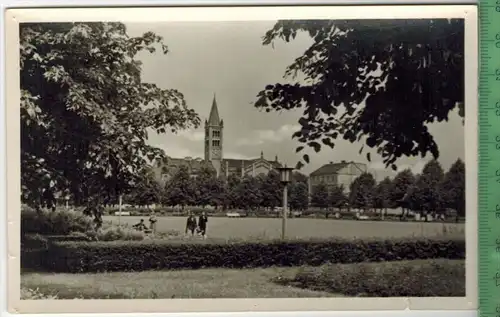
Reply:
x=270 y=228
x=203 y=283
x=434 y=277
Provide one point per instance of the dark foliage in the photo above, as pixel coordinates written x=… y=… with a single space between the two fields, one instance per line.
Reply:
x=60 y=222
x=85 y=112
x=402 y=279
x=73 y=257
x=376 y=81
x=319 y=196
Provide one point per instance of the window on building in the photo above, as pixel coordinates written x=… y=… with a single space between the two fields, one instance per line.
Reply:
x=216 y=134
x=215 y=143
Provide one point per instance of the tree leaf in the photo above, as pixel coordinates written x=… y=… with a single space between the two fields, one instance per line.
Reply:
x=299 y=165
x=315 y=145
x=306 y=158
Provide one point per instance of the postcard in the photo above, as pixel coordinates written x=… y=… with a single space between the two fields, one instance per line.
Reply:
x=205 y=159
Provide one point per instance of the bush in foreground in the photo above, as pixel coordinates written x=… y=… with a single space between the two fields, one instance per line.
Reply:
x=157 y=254
x=418 y=278
x=115 y=233
x=59 y=222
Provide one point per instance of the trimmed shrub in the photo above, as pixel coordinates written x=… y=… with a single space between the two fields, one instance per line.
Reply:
x=114 y=233
x=158 y=254
x=33 y=242
x=418 y=278
x=59 y=222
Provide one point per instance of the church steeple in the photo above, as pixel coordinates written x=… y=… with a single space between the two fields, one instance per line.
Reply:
x=214 y=138
x=213 y=118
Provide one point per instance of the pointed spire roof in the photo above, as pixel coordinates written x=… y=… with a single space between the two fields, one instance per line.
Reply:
x=213 y=118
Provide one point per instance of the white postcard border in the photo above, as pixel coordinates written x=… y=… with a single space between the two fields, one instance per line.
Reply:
x=15 y=16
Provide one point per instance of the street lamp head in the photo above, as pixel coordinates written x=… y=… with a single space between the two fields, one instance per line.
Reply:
x=285 y=174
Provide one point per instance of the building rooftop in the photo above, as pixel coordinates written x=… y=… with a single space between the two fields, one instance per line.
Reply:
x=237 y=163
x=333 y=168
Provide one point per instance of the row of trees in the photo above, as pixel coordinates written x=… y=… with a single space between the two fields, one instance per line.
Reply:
x=432 y=191
x=249 y=193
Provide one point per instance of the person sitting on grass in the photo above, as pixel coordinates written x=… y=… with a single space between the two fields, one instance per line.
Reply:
x=140 y=226
x=191 y=224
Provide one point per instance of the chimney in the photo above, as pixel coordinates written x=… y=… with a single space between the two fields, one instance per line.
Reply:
x=276 y=158
x=261 y=154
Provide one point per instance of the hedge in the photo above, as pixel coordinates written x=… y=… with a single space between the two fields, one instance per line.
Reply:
x=73 y=257
x=59 y=222
x=418 y=278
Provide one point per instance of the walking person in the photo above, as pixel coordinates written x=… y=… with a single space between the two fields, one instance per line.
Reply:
x=191 y=224
x=152 y=222
x=202 y=223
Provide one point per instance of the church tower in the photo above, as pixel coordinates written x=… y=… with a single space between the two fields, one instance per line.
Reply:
x=214 y=127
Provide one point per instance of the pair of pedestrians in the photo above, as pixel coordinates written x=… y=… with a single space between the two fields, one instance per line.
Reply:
x=200 y=226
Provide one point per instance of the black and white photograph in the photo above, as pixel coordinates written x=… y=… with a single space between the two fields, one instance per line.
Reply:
x=306 y=157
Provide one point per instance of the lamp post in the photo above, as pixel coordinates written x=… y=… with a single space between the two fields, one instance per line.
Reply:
x=119 y=210
x=285 y=178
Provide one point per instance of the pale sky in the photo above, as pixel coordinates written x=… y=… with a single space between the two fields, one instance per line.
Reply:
x=228 y=59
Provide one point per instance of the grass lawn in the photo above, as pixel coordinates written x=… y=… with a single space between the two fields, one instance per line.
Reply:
x=206 y=283
x=270 y=228
x=440 y=277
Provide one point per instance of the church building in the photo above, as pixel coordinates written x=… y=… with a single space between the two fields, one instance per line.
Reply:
x=214 y=155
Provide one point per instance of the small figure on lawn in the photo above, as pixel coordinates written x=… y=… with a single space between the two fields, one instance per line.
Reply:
x=191 y=224
x=140 y=226
x=202 y=223
x=152 y=222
